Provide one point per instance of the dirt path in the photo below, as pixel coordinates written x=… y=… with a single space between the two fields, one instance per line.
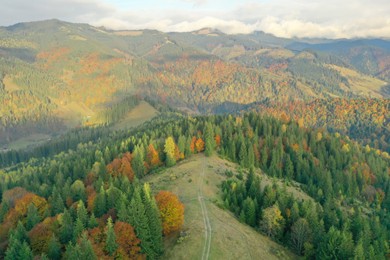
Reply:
x=205 y=213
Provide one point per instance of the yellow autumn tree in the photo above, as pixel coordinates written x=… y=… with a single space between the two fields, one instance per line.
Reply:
x=171 y=211
x=169 y=149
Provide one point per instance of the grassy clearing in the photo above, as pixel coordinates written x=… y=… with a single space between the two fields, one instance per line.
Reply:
x=230 y=239
x=9 y=84
x=360 y=83
x=138 y=115
x=28 y=141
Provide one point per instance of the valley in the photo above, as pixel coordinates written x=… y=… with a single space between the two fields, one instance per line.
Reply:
x=201 y=144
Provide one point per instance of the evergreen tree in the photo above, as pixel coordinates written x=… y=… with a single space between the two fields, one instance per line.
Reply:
x=72 y=252
x=111 y=244
x=78 y=229
x=82 y=213
x=20 y=233
x=251 y=156
x=4 y=207
x=92 y=222
x=140 y=222
x=66 y=229
x=250 y=212
x=13 y=249
x=138 y=162
x=54 y=248
x=243 y=155
x=154 y=220
x=57 y=204
x=209 y=140
x=99 y=205
x=86 y=249
x=25 y=252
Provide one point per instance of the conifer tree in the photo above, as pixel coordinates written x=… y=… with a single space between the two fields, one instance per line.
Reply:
x=154 y=220
x=33 y=217
x=66 y=230
x=86 y=249
x=111 y=244
x=72 y=252
x=78 y=229
x=92 y=222
x=139 y=220
x=251 y=156
x=138 y=162
x=243 y=155
x=54 y=248
x=82 y=213
x=209 y=140
x=99 y=205
x=25 y=252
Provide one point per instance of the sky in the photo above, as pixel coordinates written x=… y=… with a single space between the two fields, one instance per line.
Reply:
x=284 y=18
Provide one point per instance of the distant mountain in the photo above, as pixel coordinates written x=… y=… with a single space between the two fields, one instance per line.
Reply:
x=56 y=75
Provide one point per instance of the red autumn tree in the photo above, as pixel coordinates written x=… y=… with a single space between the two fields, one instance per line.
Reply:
x=127 y=240
x=171 y=211
x=121 y=167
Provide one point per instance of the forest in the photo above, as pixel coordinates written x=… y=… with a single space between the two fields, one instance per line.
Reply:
x=83 y=201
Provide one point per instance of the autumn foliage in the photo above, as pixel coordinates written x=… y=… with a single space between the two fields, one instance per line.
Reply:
x=199 y=145
x=171 y=210
x=153 y=157
x=127 y=240
x=19 y=212
x=121 y=167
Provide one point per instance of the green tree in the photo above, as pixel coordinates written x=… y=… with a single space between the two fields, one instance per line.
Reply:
x=33 y=217
x=138 y=162
x=209 y=140
x=336 y=245
x=111 y=244
x=86 y=249
x=99 y=205
x=66 y=229
x=300 y=234
x=154 y=220
x=54 y=248
x=82 y=213
x=92 y=222
x=273 y=222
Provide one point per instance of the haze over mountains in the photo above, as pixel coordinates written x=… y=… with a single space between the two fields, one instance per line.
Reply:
x=58 y=75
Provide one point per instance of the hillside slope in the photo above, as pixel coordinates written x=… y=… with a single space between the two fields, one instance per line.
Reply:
x=55 y=76
x=200 y=177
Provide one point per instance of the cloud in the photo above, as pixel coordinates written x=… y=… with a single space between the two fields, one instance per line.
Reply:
x=285 y=18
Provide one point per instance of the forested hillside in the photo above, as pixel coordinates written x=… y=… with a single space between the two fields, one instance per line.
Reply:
x=55 y=76
x=83 y=202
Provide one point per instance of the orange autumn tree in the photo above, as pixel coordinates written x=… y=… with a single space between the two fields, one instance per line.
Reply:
x=19 y=212
x=121 y=167
x=171 y=211
x=127 y=241
x=192 y=145
x=153 y=157
x=199 y=145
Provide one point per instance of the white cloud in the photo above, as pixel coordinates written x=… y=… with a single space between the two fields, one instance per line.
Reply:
x=286 y=18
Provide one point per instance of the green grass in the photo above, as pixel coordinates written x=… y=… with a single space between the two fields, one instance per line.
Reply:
x=28 y=141
x=230 y=239
x=137 y=116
